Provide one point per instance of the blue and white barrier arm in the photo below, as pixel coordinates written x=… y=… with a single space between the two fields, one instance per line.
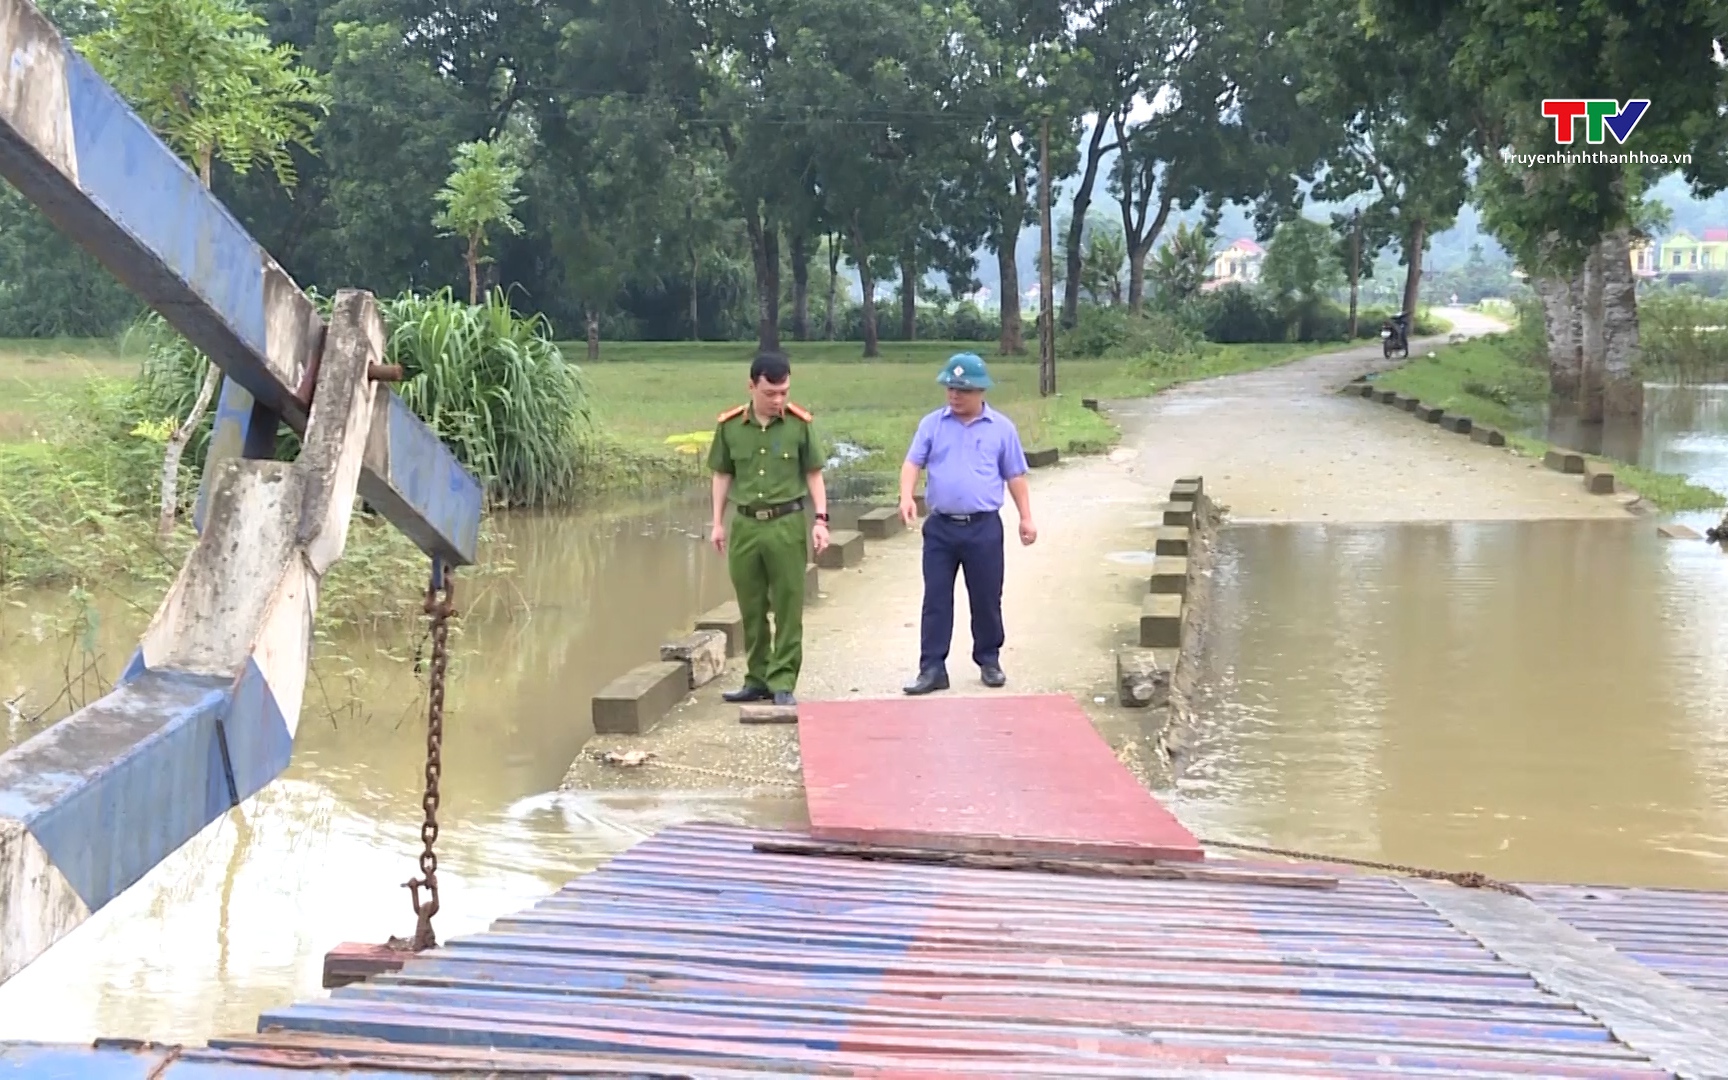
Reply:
x=72 y=146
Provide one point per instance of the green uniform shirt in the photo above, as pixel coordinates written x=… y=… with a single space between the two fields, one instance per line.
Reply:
x=767 y=464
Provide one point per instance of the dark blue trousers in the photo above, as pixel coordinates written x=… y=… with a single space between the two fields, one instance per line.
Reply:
x=974 y=546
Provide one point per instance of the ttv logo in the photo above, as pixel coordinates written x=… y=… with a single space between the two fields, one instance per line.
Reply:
x=1596 y=114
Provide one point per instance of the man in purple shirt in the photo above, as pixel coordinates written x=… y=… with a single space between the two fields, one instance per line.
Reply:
x=971 y=452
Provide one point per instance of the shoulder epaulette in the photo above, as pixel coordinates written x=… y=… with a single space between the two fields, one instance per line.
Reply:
x=732 y=414
x=799 y=411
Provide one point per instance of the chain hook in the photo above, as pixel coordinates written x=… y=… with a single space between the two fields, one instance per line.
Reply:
x=440 y=606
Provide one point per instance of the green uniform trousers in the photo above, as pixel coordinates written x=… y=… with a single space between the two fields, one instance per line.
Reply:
x=766 y=560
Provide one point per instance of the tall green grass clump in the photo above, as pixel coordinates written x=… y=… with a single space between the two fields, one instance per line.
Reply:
x=496 y=388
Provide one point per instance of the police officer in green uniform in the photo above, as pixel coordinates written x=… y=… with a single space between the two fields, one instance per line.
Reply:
x=767 y=464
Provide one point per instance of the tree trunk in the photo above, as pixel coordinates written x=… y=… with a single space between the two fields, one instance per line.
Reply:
x=695 y=309
x=1046 y=277
x=1622 y=386
x=1137 y=277
x=861 y=256
x=1591 y=346
x=593 y=321
x=1355 y=272
x=833 y=284
x=909 y=294
x=1077 y=224
x=765 y=251
x=1558 y=321
x=1009 y=342
x=473 y=269
x=1415 y=241
x=800 y=287
x=176 y=449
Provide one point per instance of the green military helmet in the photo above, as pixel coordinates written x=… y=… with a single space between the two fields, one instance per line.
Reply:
x=965 y=371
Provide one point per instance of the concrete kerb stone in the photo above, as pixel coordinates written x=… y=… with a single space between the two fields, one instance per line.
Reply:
x=1169 y=574
x=1171 y=540
x=1488 y=436
x=702 y=652
x=1459 y=425
x=1569 y=462
x=1598 y=478
x=880 y=523
x=727 y=619
x=845 y=550
x=1161 y=621
x=1430 y=414
x=1179 y=513
x=812 y=583
x=635 y=701
x=1385 y=397
x=1042 y=458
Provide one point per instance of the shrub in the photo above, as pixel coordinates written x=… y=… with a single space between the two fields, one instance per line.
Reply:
x=1115 y=331
x=1684 y=336
x=1235 y=314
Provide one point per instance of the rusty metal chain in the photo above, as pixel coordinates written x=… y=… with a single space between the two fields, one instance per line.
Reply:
x=1468 y=879
x=440 y=605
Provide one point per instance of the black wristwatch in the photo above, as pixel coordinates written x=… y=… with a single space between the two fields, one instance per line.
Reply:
x=823 y=518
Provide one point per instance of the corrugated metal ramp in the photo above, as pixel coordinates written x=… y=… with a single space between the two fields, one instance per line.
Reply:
x=693 y=955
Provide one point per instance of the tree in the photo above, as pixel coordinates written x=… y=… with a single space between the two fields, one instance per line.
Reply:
x=1301 y=267
x=1178 y=269
x=479 y=195
x=1560 y=218
x=213 y=87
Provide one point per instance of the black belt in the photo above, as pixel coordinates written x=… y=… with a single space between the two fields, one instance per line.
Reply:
x=965 y=519
x=769 y=513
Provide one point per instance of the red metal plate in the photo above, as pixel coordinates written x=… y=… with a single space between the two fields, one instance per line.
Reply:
x=1024 y=774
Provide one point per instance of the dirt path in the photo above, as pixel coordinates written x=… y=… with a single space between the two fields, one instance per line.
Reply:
x=1276 y=445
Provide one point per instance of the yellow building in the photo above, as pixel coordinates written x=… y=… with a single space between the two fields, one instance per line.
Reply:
x=1684 y=253
x=1643 y=259
x=1238 y=264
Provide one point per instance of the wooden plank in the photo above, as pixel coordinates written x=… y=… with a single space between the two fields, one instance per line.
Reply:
x=984 y=860
x=1024 y=774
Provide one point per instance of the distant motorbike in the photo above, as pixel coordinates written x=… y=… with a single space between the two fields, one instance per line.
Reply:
x=1395 y=336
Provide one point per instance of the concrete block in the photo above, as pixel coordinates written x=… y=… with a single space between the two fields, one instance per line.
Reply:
x=1678 y=532
x=1461 y=425
x=767 y=714
x=1564 y=461
x=1042 y=459
x=1487 y=436
x=1598 y=478
x=812 y=582
x=1385 y=397
x=728 y=621
x=1193 y=484
x=1430 y=413
x=1170 y=574
x=635 y=701
x=1089 y=403
x=1406 y=402
x=923 y=507
x=880 y=523
x=845 y=549
x=1365 y=389
x=1171 y=541
x=702 y=652
x=1179 y=513
x=1143 y=677
x=1161 y=621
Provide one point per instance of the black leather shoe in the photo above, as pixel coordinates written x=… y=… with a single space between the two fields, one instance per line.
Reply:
x=992 y=675
x=927 y=682
x=747 y=692
x=784 y=697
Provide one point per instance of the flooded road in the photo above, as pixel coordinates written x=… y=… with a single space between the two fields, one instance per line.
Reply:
x=238 y=920
x=1537 y=700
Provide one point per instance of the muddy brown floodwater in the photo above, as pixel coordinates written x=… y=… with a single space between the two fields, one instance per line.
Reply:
x=238 y=920
x=1533 y=700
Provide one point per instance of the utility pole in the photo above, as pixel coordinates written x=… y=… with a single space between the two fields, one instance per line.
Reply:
x=1355 y=265
x=1046 y=282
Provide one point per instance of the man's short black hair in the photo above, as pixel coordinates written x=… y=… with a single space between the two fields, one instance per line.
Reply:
x=771 y=367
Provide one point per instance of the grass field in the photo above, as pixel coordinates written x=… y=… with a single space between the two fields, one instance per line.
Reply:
x=642 y=393
x=1485 y=381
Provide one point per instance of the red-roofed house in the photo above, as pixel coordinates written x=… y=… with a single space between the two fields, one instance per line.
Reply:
x=1684 y=253
x=1238 y=264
